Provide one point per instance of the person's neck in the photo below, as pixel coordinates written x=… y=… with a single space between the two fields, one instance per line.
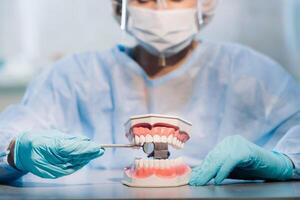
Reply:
x=155 y=66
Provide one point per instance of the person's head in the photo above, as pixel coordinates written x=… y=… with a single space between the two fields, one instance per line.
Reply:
x=207 y=6
x=164 y=27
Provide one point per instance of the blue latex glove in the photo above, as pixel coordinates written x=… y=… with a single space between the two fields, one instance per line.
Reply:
x=52 y=154
x=238 y=158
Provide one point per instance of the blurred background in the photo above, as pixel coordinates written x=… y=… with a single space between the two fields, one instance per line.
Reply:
x=35 y=33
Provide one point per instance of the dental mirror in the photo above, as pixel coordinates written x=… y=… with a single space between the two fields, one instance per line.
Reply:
x=148 y=148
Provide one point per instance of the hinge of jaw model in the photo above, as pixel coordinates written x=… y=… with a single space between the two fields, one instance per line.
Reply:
x=157 y=132
x=160 y=151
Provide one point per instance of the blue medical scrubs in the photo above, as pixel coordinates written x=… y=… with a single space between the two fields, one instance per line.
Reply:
x=223 y=89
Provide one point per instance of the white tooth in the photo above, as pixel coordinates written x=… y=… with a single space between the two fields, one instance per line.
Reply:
x=173 y=162
x=165 y=164
x=178 y=144
x=136 y=163
x=174 y=141
x=168 y=163
x=176 y=161
x=179 y=160
x=164 y=139
x=141 y=163
x=155 y=138
x=146 y=163
x=170 y=139
x=156 y=163
x=142 y=139
x=151 y=163
x=182 y=145
x=175 y=144
x=149 y=138
x=159 y=139
x=161 y=164
x=137 y=139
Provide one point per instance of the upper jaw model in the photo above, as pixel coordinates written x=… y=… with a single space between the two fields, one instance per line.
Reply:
x=157 y=171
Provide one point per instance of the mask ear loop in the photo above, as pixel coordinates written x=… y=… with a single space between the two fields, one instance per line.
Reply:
x=200 y=14
x=124 y=15
x=162 y=58
x=124 y=21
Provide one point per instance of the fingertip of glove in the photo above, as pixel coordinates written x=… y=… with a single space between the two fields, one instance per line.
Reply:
x=196 y=179
x=102 y=151
x=196 y=182
x=192 y=181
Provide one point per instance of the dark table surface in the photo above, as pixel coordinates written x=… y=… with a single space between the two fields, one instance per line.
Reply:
x=93 y=184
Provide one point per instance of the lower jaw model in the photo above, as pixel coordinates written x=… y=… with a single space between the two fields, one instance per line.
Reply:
x=158 y=170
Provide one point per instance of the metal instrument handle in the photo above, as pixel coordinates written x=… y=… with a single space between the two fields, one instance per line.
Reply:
x=120 y=146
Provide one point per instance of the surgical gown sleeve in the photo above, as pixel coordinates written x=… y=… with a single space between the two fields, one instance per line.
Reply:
x=290 y=143
x=50 y=102
x=272 y=98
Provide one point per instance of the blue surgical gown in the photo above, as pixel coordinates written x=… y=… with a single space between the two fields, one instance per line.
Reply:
x=223 y=89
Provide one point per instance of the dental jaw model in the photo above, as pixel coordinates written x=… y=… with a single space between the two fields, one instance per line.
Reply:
x=160 y=132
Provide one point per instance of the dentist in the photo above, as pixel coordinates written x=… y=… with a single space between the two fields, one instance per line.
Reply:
x=244 y=106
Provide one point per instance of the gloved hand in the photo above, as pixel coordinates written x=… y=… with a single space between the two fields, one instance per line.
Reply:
x=239 y=158
x=52 y=154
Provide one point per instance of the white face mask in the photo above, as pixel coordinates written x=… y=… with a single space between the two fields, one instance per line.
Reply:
x=163 y=32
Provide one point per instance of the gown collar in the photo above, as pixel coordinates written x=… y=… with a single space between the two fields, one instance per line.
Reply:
x=123 y=53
